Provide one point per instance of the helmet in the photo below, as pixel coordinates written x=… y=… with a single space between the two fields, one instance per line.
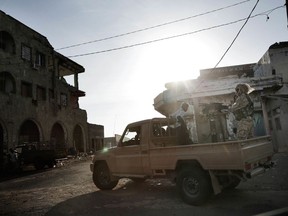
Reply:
x=244 y=87
x=184 y=106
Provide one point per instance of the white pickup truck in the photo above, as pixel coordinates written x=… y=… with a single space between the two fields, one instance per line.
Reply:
x=151 y=149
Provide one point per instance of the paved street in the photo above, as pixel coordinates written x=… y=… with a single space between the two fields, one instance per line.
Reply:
x=69 y=190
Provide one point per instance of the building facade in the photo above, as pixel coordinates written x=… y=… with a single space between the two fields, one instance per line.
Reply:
x=214 y=89
x=110 y=142
x=37 y=104
x=96 y=137
x=275 y=104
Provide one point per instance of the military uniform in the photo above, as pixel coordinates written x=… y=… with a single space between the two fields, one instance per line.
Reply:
x=243 y=112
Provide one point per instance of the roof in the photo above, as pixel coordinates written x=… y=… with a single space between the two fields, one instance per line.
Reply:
x=68 y=66
x=144 y=121
x=279 y=45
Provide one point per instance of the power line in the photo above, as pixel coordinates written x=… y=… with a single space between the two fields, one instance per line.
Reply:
x=237 y=34
x=152 y=27
x=171 y=37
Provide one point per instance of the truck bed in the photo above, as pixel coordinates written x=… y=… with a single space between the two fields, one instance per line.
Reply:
x=231 y=155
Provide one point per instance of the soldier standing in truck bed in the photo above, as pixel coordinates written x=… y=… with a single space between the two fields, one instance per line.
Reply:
x=243 y=110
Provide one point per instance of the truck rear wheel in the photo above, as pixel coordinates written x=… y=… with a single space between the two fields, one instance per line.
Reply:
x=102 y=178
x=194 y=185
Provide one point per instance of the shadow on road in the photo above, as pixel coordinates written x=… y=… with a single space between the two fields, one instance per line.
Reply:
x=160 y=199
x=14 y=175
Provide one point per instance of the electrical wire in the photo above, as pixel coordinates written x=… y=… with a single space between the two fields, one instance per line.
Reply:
x=249 y=17
x=171 y=37
x=152 y=27
x=237 y=34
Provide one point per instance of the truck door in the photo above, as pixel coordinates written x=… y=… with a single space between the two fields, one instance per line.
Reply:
x=128 y=158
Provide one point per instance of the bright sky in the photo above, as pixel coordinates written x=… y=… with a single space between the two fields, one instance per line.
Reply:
x=121 y=85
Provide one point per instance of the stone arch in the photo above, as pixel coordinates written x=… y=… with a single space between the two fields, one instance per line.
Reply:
x=78 y=138
x=57 y=135
x=7 y=43
x=29 y=132
x=7 y=82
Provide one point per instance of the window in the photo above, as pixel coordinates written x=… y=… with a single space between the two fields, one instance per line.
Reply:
x=7 y=42
x=159 y=130
x=132 y=136
x=40 y=59
x=26 y=52
x=41 y=93
x=26 y=89
x=7 y=83
x=166 y=128
x=63 y=98
x=51 y=95
x=165 y=133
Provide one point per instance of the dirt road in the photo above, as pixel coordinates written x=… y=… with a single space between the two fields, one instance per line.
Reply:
x=69 y=190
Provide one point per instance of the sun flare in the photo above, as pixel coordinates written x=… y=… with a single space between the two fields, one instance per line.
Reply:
x=173 y=60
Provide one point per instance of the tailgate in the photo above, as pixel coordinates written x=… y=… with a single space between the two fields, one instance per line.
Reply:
x=256 y=150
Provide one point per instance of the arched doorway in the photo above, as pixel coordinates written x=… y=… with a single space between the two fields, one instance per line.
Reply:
x=78 y=139
x=57 y=140
x=29 y=133
x=58 y=136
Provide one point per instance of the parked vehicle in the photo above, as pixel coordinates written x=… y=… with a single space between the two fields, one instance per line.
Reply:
x=151 y=149
x=28 y=154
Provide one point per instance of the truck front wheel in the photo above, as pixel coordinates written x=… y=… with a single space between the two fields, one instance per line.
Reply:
x=102 y=178
x=194 y=185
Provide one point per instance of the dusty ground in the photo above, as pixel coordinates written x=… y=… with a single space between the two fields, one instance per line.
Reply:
x=69 y=190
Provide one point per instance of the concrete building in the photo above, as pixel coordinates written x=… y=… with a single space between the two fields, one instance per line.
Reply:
x=275 y=104
x=110 y=142
x=214 y=90
x=37 y=104
x=96 y=137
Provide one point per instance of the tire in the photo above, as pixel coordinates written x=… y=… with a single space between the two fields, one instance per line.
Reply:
x=102 y=178
x=194 y=185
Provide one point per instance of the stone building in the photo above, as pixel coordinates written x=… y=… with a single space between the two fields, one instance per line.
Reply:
x=37 y=105
x=213 y=90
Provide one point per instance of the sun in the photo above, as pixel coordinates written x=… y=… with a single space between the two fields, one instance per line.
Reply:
x=174 y=60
